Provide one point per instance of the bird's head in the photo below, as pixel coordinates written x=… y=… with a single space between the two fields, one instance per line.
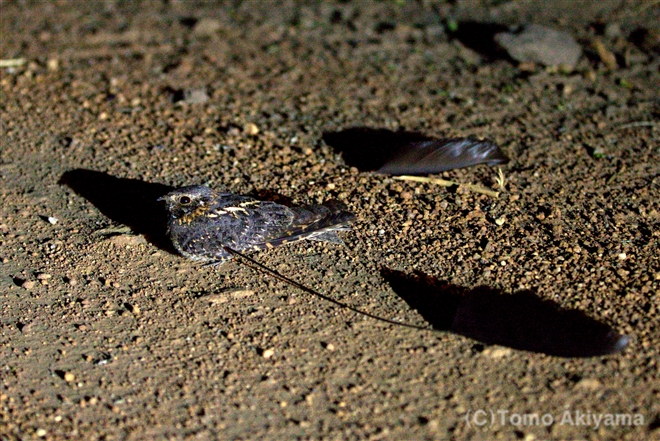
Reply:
x=185 y=201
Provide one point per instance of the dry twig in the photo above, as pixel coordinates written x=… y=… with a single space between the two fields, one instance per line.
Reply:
x=12 y=62
x=446 y=183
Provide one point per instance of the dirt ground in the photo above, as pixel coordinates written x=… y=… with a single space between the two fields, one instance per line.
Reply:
x=106 y=333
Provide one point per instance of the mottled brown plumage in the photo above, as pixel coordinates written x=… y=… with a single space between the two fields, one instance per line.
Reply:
x=203 y=221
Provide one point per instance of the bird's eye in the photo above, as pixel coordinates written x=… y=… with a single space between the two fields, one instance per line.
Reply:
x=184 y=200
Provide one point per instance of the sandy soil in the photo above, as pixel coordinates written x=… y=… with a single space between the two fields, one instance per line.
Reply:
x=105 y=333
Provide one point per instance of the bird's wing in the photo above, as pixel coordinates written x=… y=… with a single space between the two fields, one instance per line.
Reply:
x=251 y=223
x=316 y=222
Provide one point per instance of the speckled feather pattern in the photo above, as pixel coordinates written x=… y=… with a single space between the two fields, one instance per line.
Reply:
x=203 y=221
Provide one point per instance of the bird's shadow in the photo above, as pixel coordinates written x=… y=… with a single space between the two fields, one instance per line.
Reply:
x=369 y=149
x=129 y=202
x=521 y=320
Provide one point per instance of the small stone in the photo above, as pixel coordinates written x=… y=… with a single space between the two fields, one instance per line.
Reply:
x=44 y=276
x=589 y=384
x=540 y=44
x=622 y=256
x=127 y=240
x=133 y=309
x=240 y=293
x=613 y=30
x=268 y=353
x=497 y=352
x=53 y=64
x=330 y=347
x=69 y=377
x=216 y=298
x=29 y=284
x=195 y=96
x=251 y=129
x=41 y=433
x=52 y=220
x=606 y=56
x=500 y=221
x=206 y=27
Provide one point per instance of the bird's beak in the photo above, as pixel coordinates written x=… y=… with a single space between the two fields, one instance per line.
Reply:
x=161 y=199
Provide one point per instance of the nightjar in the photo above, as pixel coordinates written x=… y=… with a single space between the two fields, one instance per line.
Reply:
x=203 y=221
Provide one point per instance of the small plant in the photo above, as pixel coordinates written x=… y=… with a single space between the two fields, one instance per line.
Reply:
x=500 y=179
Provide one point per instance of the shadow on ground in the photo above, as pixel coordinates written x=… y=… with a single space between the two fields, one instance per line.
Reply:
x=129 y=202
x=369 y=149
x=480 y=37
x=521 y=320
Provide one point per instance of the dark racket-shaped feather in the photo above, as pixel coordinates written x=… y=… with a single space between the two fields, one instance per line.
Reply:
x=438 y=155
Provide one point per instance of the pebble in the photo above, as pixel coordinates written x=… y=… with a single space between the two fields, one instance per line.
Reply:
x=69 y=377
x=497 y=353
x=251 y=129
x=613 y=30
x=500 y=221
x=29 y=284
x=44 y=278
x=606 y=56
x=127 y=240
x=53 y=64
x=52 y=220
x=242 y=293
x=215 y=299
x=542 y=45
x=206 y=27
x=588 y=384
x=195 y=96
x=268 y=353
